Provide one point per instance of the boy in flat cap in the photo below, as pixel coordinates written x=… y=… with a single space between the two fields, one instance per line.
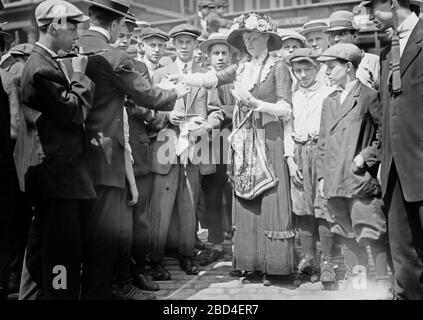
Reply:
x=312 y=217
x=177 y=181
x=343 y=29
x=55 y=104
x=346 y=164
x=113 y=73
x=402 y=159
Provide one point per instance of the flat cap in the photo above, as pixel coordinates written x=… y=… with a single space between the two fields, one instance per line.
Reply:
x=342 y=20
x=344 y=51
x=154 y=32
x=291 y=34
x=303 y=54
x=22 y=49
x=185 y=28
x=49 y=10
x=314 y=25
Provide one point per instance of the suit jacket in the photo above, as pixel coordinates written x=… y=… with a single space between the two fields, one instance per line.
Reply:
x=201 y=101
x=58 y=110
x=402 y=130
x=6 y=149
x=115 y=78
x=346 y=130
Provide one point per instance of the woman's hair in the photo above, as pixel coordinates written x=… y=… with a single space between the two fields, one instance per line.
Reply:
x=102 y=17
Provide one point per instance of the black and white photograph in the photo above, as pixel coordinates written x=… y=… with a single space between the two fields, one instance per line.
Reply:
x=223 y=151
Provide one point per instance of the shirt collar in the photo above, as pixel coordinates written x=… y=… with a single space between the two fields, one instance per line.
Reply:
x=150 y=65
x=409 y=23
x=312 y=88
x=348 y=86
x=101 y=30
x=51 y=52
x=181 y=64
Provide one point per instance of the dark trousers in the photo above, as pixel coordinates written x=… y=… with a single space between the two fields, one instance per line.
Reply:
x=213 y=186
x=405 y=225
x=7 y=191
x=61 y=235
x=141 y=222
x=103 y=229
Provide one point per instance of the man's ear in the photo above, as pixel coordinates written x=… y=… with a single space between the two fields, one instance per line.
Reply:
x=350 y=66
x=355 y=37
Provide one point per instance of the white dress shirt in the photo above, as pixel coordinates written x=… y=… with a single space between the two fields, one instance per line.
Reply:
x=307 y=109
x=345 y=91
x=181 y=65
x=405 y=29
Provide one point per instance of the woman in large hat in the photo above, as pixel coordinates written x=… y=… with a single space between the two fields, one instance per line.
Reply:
x=264 y=234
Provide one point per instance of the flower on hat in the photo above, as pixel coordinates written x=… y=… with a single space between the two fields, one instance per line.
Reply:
x=262 y=25
x=251 y=22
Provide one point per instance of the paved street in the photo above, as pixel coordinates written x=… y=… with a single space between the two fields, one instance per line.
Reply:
x=214 y=283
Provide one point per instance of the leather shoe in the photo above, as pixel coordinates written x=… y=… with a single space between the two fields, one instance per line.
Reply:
x=143 y=282
x=129 y=292
x=159 y=273
x=188 y=266
x=213 y=256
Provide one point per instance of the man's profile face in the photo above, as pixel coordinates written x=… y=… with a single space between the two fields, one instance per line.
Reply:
x=66 y=35
x=381 y=15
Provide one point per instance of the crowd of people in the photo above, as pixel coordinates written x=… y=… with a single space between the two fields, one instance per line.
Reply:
x=109 y=159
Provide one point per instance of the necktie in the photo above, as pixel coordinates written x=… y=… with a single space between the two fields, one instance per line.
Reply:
x=395 y=73
x=185 y=71
x=63 y=67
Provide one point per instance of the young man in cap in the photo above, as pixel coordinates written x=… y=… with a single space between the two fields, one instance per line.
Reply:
x=177 y=180
x=346 y=166
x=291 y=41
x=153 y=44
x=401 y=88
x=56 y=104
x=7 y=173
x=317 y=39
x=312 y=216
x=114 y=76
x=343 y=29
x=216 y=188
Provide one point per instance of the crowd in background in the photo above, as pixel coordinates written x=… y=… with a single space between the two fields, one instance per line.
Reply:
x=113 y=152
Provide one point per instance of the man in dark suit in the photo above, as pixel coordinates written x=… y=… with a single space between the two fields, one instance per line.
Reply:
x=177 y=179
x=113 y=73
x=7 y=174
x=61 y=185
x=402 y=155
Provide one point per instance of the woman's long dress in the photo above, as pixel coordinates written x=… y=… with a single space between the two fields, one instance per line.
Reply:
x=264 y=234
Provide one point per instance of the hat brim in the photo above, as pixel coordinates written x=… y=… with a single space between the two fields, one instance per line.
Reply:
x=109 y=9
x=204 y=46
x=298 y=59
x=78 y=19
x=308 y=30
x=235 y=40
x=194 y=35
x=327 y=58
x=339 y=28
x=8 y=37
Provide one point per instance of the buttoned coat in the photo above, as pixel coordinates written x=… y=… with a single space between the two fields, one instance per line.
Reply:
x=201 y=101
x=347 y=130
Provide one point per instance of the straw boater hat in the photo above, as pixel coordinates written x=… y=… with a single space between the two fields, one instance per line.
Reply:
x=120 y=7
x=215 y=38
x=254 y=22
x=314 y=25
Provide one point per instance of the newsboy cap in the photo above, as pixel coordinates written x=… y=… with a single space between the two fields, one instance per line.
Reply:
x=344 y=51
x=303 y=54
x=154 y=32
x=185 y=28
x=49 y=10
x=342 y=20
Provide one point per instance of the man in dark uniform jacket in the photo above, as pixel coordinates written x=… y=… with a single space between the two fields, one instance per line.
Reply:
x=402 y=133
x=61 y=185
x=7 y=181
x=113 y=73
